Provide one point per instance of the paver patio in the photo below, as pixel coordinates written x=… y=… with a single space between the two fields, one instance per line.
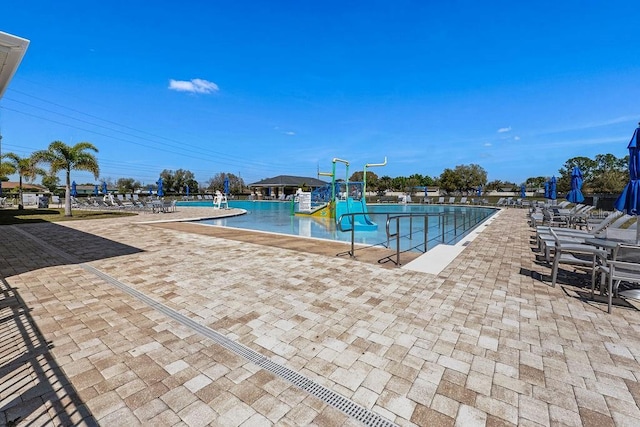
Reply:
x=485 y=342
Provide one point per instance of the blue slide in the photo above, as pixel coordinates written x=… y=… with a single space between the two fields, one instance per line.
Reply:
x=360 y=222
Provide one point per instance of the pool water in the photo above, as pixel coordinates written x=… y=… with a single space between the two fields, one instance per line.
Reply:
x=276 y=217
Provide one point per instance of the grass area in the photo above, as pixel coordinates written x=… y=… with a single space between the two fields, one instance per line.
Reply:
x=14 y=216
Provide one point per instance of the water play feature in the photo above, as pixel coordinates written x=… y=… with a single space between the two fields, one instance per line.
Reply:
x=342 y=200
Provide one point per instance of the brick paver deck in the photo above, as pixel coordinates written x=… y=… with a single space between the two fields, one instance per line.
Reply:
x=485 y=342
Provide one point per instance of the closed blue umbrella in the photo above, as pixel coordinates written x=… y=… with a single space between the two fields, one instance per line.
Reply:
x=552 y=189
x=150 y=191
x=523 y=191
x=629 y=199
x=575 y=195
x=226 y=185
x=104 y=187
x=96 y=190
x=74 y=190
x=479 y=190
x=160 y=190
x=546 y=189
x=186 y=190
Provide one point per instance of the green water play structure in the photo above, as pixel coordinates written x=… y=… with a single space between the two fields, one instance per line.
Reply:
x=349 y=207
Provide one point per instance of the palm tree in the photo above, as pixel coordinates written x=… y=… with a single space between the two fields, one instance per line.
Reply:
x=6 y=169
x=62 y=157
x=25 y=167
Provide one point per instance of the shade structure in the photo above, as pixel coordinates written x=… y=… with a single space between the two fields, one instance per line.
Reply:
x=553 y=194
x=104 y=187
x=186 y=189
x=160 y=189
x=479 y=190
x=546 y=189
x=523 y=191
x=74 y=190
x=226 y=185
x=575 y=194
x=629 y=199
x=96 y=190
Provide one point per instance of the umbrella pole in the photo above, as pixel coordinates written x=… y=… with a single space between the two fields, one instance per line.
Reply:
x=638 y=230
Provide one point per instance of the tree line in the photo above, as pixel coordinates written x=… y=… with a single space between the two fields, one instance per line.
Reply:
x=605 y=173
x=60 y=157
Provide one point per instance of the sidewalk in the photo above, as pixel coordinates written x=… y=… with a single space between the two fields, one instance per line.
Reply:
x=115 y=322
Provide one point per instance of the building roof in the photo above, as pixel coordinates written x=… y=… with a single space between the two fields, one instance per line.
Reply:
x=10 y=185
x=12 y=50
x=289 y=181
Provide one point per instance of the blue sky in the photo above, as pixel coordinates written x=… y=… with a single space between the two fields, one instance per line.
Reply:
x=282 y=87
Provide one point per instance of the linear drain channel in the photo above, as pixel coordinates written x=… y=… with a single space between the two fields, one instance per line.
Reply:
x=326 y=395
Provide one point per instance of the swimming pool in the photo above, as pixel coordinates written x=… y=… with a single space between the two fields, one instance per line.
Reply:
x=276 y=217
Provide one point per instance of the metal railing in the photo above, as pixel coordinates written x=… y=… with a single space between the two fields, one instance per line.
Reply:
x=451 y=226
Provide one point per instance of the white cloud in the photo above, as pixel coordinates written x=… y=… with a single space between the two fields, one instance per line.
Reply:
x=503 y=130
x=516 y=138
x=487 y=144
x=193 y=86
x=289 y=133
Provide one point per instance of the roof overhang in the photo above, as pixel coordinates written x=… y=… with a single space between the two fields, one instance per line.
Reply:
x=12 y=49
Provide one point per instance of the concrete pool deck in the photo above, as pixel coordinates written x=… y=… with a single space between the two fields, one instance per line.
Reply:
x=120 y=322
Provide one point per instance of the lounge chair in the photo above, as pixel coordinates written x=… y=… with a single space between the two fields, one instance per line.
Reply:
x=452 y=200
x=123 y=204
x=5 y=203
x=579 y=219
x=579 y=255
x=169 y=206
x=624 y=266
x=463 y=200
x=440 y=200
x=146 y=206
x=546 y=240
x=101 y=204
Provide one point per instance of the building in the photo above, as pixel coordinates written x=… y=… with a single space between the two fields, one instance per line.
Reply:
x=12 y=187
x=284 y=185
x=12 y=49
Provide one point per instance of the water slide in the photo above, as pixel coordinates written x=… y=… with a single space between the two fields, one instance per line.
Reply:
x=360 y=222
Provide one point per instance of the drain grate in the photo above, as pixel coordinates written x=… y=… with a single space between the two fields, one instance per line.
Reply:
x=338 y=401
